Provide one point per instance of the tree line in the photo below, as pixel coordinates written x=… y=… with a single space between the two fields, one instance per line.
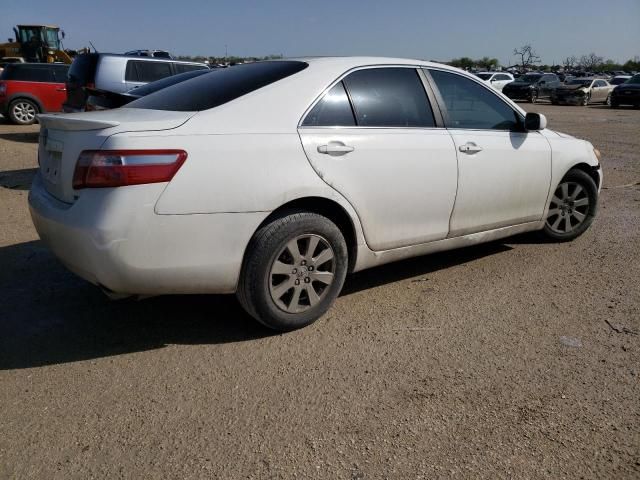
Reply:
x=529 y=59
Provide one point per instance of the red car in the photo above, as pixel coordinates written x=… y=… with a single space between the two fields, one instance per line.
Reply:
x=27 y=89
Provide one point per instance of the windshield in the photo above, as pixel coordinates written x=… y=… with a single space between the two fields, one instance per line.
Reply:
x=209 y=91
x=485 y=76
x=530 y=78
x=579 y=81
x=634 y=80
x=51 y=38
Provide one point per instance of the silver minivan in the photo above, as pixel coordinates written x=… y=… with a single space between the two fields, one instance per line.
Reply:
x=117 y=73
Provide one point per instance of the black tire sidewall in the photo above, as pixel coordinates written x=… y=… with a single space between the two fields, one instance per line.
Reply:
x=586 y=182
x=262 y=251
x=12 y=106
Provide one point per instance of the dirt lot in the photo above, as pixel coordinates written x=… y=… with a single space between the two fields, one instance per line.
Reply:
x=492 y=362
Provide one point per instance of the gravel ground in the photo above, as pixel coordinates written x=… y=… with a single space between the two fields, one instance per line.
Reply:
x=515 y=359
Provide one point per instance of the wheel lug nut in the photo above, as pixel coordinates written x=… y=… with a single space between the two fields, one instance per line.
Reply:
x=303 y=263
x=295 y=270
x=297 y=282
x=307 y=280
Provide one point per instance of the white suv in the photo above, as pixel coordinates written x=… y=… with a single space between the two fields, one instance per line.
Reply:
x=496 y=79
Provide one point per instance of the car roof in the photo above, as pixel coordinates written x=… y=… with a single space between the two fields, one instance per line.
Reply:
x=146 y=59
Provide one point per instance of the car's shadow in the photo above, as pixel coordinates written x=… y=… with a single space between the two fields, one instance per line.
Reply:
x=22 y=137
x=50 y=316
x=17 y=179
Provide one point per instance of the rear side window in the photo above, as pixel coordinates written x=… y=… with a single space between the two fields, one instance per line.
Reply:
x=209 y=91
x=141 y=71
x=389 y=97
x=333 y=110
x=28 y=73
x=184 y=68
x=83 y=68
x=470 y=105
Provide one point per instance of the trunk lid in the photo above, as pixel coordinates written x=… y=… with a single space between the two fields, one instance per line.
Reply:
x=64 y=137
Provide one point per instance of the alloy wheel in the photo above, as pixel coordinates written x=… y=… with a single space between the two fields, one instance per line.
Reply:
x=24 y=112
x=302 y=273
x=608 y=101
x=569 y=208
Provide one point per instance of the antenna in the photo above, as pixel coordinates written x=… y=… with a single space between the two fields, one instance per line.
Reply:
x=94 y=47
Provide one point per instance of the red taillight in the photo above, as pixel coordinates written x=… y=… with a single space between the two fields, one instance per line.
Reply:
x=118 y=168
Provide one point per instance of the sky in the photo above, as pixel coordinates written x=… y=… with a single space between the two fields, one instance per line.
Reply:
x=429 y=30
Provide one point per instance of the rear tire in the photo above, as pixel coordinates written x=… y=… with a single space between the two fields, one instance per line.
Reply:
x=573 y=207
x=23 y=111
x=608 y=100
x=533 y=98
x=293 y=270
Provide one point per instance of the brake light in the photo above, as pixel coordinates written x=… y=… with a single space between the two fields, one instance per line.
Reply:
x=118 y=168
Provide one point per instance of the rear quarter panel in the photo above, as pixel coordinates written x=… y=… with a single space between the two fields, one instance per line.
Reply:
x=233 y=172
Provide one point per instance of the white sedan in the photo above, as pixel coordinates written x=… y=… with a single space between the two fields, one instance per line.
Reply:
x=496 y=79
x=275 y=179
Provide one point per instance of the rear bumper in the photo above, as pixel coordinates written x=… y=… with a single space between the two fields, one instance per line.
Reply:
x=113 y=238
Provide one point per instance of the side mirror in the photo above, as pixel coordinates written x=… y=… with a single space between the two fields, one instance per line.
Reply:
x=534 y=122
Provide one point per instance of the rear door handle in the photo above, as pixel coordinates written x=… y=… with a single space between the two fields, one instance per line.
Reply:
x=335 y=149
x=470 y=148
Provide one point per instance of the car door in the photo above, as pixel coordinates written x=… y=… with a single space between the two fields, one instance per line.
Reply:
x=599 y=91
x=373 y=138
x=504 y=172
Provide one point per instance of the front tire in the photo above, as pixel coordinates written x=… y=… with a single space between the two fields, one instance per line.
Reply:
x=585 y=100
x=293 y=271
x=607 y=102
x=573 y=207
x=23 y=111
x=533 y=98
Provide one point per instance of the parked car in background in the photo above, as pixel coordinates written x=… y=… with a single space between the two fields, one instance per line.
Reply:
x=117 y=73
x=105 y=100
x=619 y=79
x=532 y=86
x=269 y=180
x=628 y=93
x=27 y=89
x=150 y=53
x=496 y=79
x=583 y=91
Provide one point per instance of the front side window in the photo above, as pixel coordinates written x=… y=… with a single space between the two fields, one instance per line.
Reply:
x=389 y=97
x=471 y=106
x=333 y=110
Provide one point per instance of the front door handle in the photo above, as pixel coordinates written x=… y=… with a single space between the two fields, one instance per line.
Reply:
x=335 y=149
x=470 y=148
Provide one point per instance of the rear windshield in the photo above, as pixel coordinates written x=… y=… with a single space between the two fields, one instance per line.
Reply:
x=484 y=76
x=530 y=78
x=209 y=91
x=83 y=68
